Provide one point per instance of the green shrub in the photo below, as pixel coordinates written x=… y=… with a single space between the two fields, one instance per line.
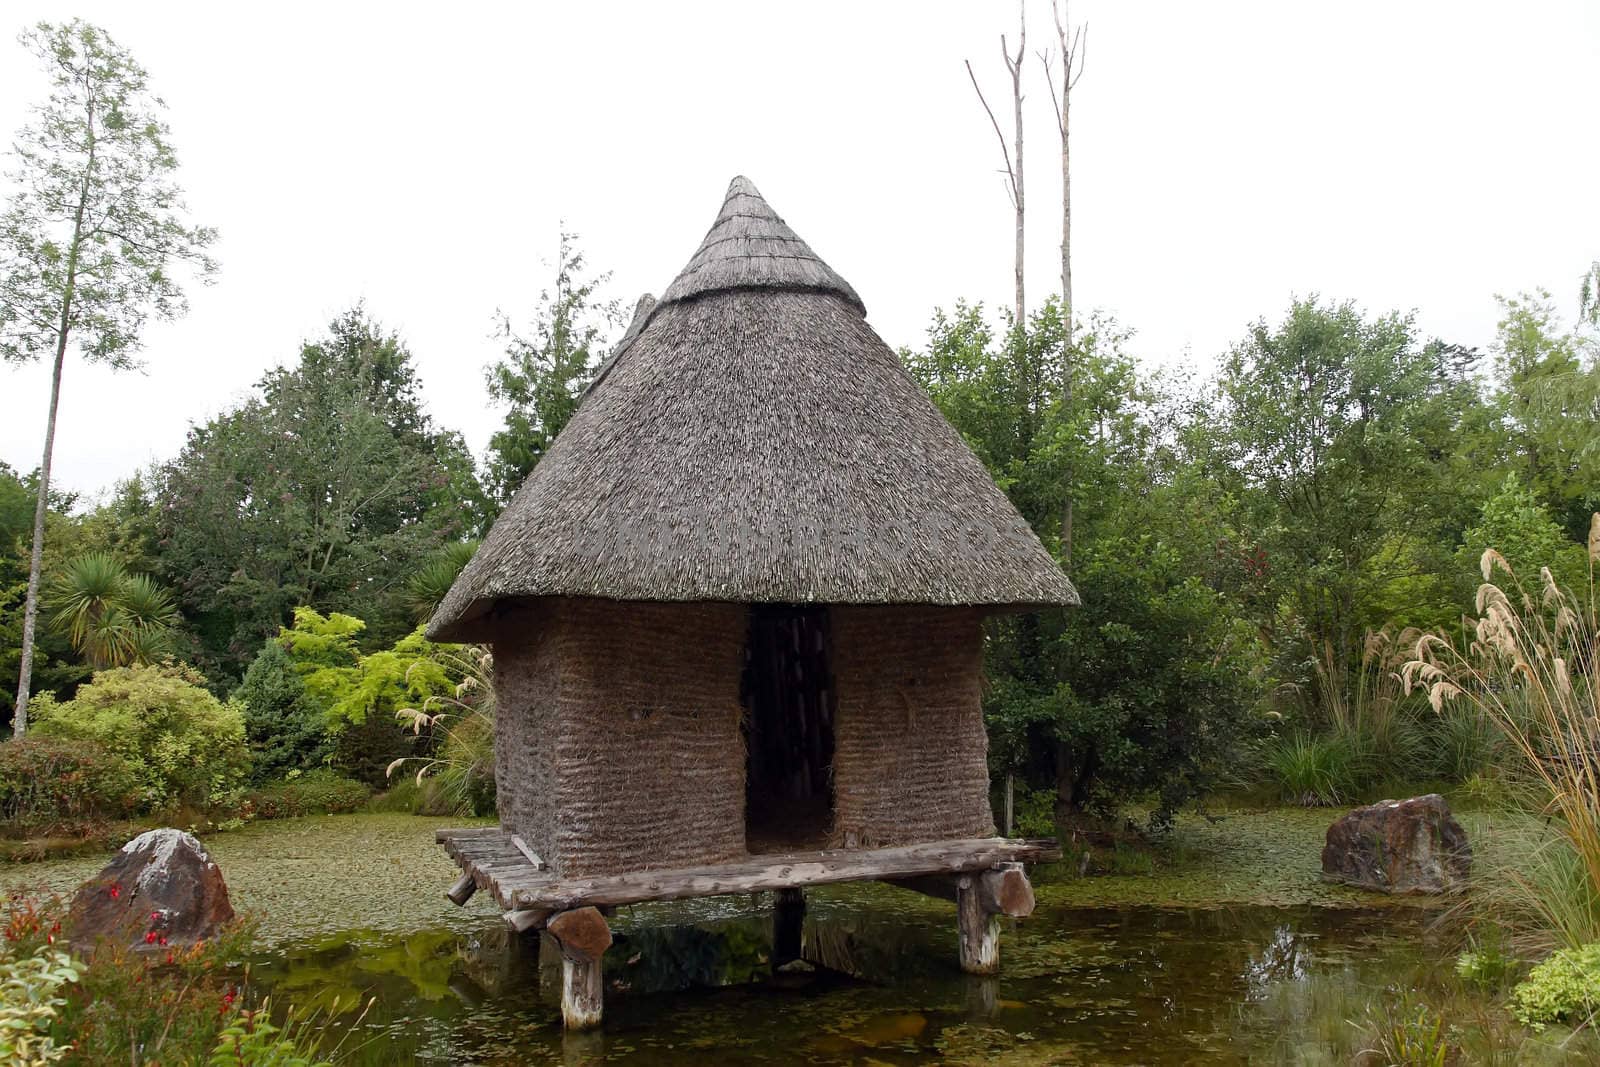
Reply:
x=184 y=745
x=29 y=1005
x=317 y=793
x=286 y=730
x=52 y=780
x=1565 y=987
x=1316 y=771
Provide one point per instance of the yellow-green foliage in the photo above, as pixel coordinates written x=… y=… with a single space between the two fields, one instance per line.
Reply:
x=183 y=744
x=29 y=1005
x=349 y=685
x=1564 y=988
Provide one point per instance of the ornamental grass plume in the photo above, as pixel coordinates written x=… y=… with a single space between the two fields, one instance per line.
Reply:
x=1533 y=669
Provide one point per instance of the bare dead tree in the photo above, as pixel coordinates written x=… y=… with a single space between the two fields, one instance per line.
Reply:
x=1013 y=161
x=1073 y=54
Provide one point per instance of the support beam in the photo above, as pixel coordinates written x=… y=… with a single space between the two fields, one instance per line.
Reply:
x=979 y=929
x=1005 y=890
x=526 y=919
x=584 y=937
x=462 y=891
x=761 y=873
x=788 y=925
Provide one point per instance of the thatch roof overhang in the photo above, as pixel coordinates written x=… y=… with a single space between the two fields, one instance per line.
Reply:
x=752 y=439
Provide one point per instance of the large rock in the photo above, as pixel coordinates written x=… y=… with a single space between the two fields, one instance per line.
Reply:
x=162 y=889
x=1399 y=846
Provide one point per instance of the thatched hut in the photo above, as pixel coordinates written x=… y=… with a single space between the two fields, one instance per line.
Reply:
x=735 y=611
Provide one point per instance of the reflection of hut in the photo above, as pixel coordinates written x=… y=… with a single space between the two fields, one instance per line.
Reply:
x=736 y=609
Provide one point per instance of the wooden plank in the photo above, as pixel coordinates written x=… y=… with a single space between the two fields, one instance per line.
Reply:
x=786 y=871
x=529 y=854
x=465 y=833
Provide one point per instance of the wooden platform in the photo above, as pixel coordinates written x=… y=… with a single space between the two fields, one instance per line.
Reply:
x=497 y=865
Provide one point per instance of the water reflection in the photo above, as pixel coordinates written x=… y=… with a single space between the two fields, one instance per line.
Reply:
x=695 y=985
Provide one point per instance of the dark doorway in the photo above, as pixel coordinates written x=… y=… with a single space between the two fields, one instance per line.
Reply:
x=788 y=727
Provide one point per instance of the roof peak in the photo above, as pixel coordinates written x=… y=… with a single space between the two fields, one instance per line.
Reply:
x=749 y=246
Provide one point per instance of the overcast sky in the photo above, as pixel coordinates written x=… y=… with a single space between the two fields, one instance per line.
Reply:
x=1226 y=157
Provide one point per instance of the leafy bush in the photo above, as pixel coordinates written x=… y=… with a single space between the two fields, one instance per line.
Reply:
x=184 y=745
x=286 y=730
x=29 y=1003
x=1149 y=697
x=1564 y=988
x=1316 y=771
x=251 y=1040
x=317 y=793
x=51 y=780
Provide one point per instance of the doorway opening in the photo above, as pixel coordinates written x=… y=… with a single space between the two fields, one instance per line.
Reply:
x=788 y=698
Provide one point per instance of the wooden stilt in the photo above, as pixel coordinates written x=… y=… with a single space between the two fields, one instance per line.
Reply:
x=979 y=928
x=788 y=925
x=584 y=937
x=462 y=891
x=582 y=993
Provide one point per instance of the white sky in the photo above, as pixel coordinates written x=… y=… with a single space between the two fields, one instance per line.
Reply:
x=1226 y=156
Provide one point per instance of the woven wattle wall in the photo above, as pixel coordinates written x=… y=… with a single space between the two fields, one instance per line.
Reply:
x=911 y=756
x=525 y=725
x=649 y=760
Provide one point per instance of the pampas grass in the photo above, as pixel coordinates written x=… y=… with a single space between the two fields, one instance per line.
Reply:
x=1532 y=669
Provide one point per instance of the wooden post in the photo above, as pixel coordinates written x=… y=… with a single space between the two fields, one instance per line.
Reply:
x=462 y=891
x=584 y=937
x=788 y=925
x=978 y=927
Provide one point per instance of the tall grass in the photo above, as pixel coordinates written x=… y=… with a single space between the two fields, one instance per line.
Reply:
x=461 y=768
x=1532 y=668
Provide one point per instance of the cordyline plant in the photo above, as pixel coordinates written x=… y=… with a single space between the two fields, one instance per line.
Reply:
x=1533 y=669
x=90 y=237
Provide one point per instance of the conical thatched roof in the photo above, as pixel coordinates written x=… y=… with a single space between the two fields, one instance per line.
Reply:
x=752 y=439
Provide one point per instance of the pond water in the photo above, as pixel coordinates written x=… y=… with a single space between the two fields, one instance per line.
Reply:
x=692 y=985
x=1229 y=950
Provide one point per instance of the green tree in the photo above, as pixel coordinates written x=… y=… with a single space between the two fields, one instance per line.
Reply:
x=1335 y=430
x=1548 y=382
x=89 y=241
x=325 y=490
x=1141 y=692
x=544 y=372
x=285 y=730
x=114 y=618
x=56 y=669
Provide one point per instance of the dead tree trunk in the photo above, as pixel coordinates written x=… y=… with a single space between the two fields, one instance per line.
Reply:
x=1013 y=165
x=1073 y=52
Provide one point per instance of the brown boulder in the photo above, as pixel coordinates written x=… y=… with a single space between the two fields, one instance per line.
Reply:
x=1399 y=846
x=162 y=889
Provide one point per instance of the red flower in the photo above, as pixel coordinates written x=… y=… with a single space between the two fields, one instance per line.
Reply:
x=150 y=938
x=116 y=891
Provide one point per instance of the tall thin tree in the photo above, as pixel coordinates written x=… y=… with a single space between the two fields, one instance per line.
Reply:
x=1074 y=51
x=89 y=241
x=1013 y=162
